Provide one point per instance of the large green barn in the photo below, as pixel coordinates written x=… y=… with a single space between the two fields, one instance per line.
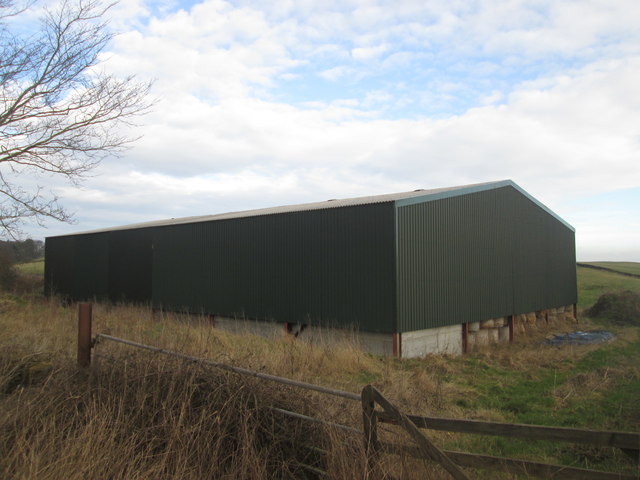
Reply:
x=410 y=273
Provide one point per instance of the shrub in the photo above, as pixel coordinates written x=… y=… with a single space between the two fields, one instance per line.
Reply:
x=621 y=307
x=7 y=273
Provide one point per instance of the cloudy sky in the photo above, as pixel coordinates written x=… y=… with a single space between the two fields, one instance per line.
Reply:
x=265 y=103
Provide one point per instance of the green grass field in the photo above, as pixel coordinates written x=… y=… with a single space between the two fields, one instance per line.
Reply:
x=593 y=283
x=627 y=267
x=31 y=268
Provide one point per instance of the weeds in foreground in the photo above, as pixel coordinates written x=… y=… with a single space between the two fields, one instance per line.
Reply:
x=151 y=417
x=140 y=417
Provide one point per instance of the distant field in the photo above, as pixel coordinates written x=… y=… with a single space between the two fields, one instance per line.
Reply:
x=593 y=283
x=32 y=268
x=627 y=267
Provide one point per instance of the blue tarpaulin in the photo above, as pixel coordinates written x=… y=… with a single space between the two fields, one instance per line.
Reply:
x=580 y=338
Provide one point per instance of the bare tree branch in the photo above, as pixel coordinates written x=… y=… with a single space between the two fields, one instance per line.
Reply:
x=58 y=114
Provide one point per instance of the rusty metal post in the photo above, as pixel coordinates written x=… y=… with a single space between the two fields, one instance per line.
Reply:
x=84 y=334
x=465 y=337
x=511 y=321
x=397 y=345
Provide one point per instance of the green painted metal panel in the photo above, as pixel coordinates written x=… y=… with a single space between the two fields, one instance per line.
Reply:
x=479 y=256
x=91 y=267
x=130 y=263
x=332 y=267
x=109 y=265
x=76 y=266
x=403 y=265
x=59 y=266
x=439 y=194
x=544 y=260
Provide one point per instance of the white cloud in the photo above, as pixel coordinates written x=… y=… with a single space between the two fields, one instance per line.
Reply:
x=213 y=50
x=556 y=132
x=552 y=105
x=368 y=53
x=336 y=73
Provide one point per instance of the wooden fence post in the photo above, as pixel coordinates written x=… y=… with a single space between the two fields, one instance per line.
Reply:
x=84 y=334
x=370 y=422
x=428 y=449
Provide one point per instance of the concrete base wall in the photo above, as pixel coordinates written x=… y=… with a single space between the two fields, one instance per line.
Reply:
x=433 y=340
x=375 y=343
x=256 y=327
x=414 y=344
x=408 y=344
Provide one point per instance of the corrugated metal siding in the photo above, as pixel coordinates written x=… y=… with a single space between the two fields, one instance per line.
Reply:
x=109 y=265
x=333 y=267
x=130 y=263
x=92 y=267
x=77 y=266
x=59 y=266
x=544 y=262
x=477 y=255
x=480 y=256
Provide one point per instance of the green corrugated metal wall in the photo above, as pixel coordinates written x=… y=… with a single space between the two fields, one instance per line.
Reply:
x=76 y=266
x=479 y=256
x=469 y=256
x=112 y=266
x=92 y=266
x=59 y=266
x=333 y=267
x=130 y=264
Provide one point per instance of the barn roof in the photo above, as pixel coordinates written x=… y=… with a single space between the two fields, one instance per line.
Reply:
x=400 y=199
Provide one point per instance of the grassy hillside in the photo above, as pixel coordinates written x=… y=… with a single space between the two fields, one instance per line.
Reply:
x=31 y=268
x=627 y=267
x=593 y=283
x=137 y=415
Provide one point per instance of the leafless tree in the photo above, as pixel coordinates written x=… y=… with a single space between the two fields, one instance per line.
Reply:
x=59 y=114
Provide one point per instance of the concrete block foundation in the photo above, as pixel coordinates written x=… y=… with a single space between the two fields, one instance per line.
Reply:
x=452 y=339
x=432 y=340
x=375 y=343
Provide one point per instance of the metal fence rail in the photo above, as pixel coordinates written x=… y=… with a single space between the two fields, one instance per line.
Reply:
x=243 y=371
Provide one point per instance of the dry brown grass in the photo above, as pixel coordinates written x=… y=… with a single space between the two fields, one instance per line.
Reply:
x=152 y=418
x=525 y=352
x=140 y=415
